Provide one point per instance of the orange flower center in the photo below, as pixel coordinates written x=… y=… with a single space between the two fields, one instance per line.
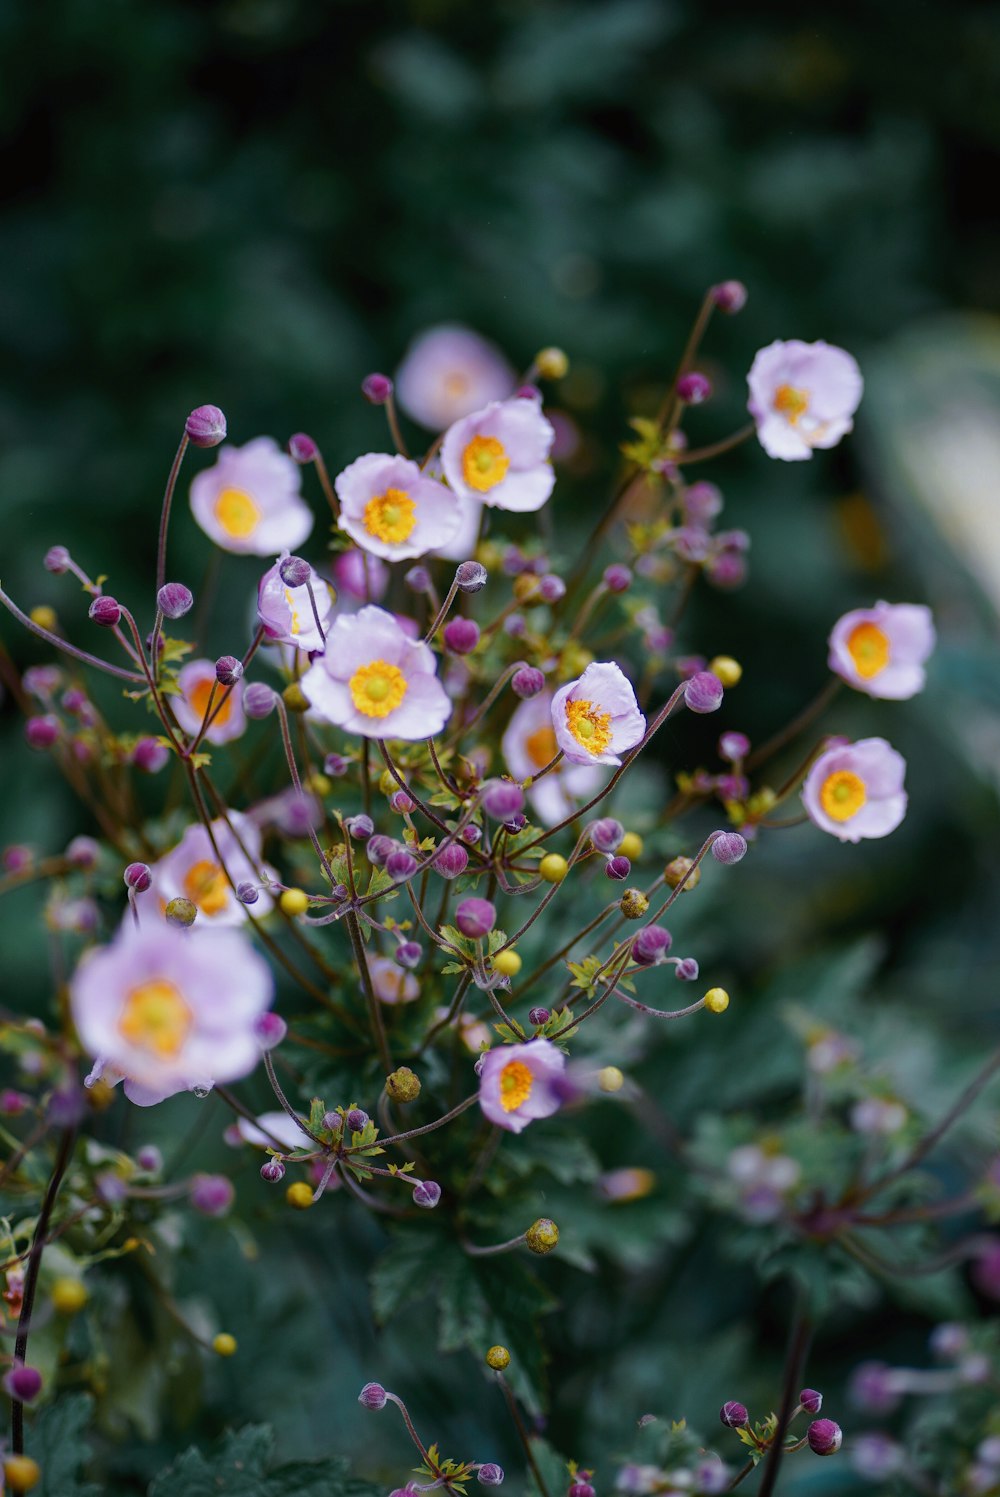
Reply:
x=456 y=384
x=237 y=513
x=484 y=464
x=541 y=746
x=842 y=794
x=791 y=402
x=516 y=1082
x=868 y=647
x=377 y=689
x=156 y=1018
x=589 y=726
x=198 y=698
x=391 y=516
x=206 y=885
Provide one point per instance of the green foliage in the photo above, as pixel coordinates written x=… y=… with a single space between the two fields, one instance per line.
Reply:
x=242 y=1465
x=59 y=1444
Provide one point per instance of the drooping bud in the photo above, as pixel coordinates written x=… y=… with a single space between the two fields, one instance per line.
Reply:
x=694 y=388
x=471 y=577
x=373 y=1396
x=357 y=1119
x=703 y=693
x=810 y=1400
x=400 y=865
x=490 y=1475
x=618 y=868
x=206 y=426
x=105 y=611
x=475 y=917
x=687 y=969
x=247 y=893
x=174 y=600
x=402 y=803
x=359 y=827
x=259 y=700
x=273 y=1171
x=825 y=1437
x=150 y=755
x=650 y=944
x=607 y=834
x=408 y=954
x=426 y=1193
x=502 y=799
x=57 y=560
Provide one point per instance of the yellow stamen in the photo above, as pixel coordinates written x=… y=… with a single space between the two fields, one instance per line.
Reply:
x=842 y=794
x=868 y=647
x=589 y=726
x=791 y=401
x=237 y=513
x=391 y=516
x=206 y=885
x=155 y=1017
x=456 y=384
x=516 y=1082
x=198 y=696
x=295 y=624
x=484 y=464
x=377 y=689
x=541 y=746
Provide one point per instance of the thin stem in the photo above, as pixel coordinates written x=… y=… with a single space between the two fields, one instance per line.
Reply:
x=374 y=1008
x=715 y=449
x=798 y=1343
x=393 y=419
x=284 y=1102
x=325 y=484
x=522 y=1435
x=61 y=644
x=808 y=715
x=168 y=495
x=398 y=1138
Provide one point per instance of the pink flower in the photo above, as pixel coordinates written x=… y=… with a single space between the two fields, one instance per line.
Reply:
x=271 y=1129
x=361 y=577
x=192 y=870
x=447 y=373
x=196 y=680
x=286 y=613
x=518 y=1083
x=803 y=395
x=596 y=717
x=390 y=983
x=390 y=509
x=881 y=650
x=250 y=500
x=529 y=743
x=170 y=1010
x=373 y=680
x=500 y=455
x=462 y=546
x=855 y=790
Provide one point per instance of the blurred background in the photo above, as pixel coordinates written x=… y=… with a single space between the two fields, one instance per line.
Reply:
x=256 y=202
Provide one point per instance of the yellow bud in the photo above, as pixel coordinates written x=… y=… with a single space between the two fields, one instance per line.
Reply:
x=676 y=871
x=69 y=1296
x=631 y=846
x=498 y=1357
x=403 y=1085
x=610 y=1079
x=224 y=1345
x=726 y=669
x=295 y=698
x=633 y=904
x=717 y=1000
x=552 y=363
x=294 y=901
x=507 y=962
x=387 y=782
x=525 y=587
x=44 y=617
x=21 y=1473
x=320 y=784
x=542 y=1235
x=553 y=868
x=573 y=661
x=100 y=1096
x=299 y=1195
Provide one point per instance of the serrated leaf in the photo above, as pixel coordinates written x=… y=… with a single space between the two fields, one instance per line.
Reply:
x=58 y=1443
x=239 y=1467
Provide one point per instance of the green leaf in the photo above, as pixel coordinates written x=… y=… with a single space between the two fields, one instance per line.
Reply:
x=59 y=1445
x=240 y=1466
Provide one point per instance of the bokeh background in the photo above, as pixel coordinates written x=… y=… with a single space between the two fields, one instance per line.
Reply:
x=256 y=202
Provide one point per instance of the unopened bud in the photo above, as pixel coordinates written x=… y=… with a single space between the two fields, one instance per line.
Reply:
x=461 y=636
x=228 y=670
x=502 y=799
x=376 y=388
x=426 y=1193
x=734 y=1415
x=618 y=868
x=542 y=1235
x=181 y=912
x=681 y=871
x=471 y=577
x=539 y=1016
x=527 y=681
x=729 y=848
x=57 y=560
x=138 y=876
x=269 y=1030
x=105 y=611
x=258 y=700
x=294 y=571
x=729 y=296
x=824 y=1436
x=273 y=1171
x=490 y=1475
x=302 y=449
x=633 y=904
x=206 y=426
x=174 y=600
x=403 y=1085
x=373 y=1396
x=703 y=693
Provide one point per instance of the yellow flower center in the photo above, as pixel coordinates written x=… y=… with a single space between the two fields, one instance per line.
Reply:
x=456 y=384
x=206 y=885
x=842 y=794
x=198 y=697
x=237 y=513
x=377 y=689
x=484 y=464
x=589 y=726
x=516 y=1082
x=541 y=746
x=155 y=1017
x=868 y=647
x=295 y=625
x=791 y=401
x=391 y=516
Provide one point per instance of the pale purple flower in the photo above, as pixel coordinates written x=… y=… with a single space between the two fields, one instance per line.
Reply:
x=881 y=651
x=391 y=984
x=518 y=1083
x=447 y=373
x=250 y=500
x=803 y=395
x=596 y=718
x=529 y=743
x=374 y=680
x=196 y=680
x=390 y=508
x=361 y=576
x=272 y=1129
x=286 y=613
x=167 y=1011
x=500 y=455
x=192 y=870
x=855 y=790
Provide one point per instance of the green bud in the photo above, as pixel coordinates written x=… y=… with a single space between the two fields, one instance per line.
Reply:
x=181 y=912
x=403 y=1085
x=634 y=904
x=542 y=1235
x=295 y=698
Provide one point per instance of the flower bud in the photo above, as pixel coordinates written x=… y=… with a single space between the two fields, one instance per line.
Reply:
x=42 y=732
x=580 y=1489
x=552 y=588
x=475 y=917
x=539 y=1016
x=461 y=636
x=24 y=1383
x=502 y=799
x=527 y=681
x=138 y=876
x=553 y=868
x=273 y=1171
x=426 y=1193
x=734 y=747
x=729 y=848
x=181 y=912
x=379 y=848
x=681 y=871
x=376 y=388
x=21 y=1473
x=490 y=1475
x=824 y=1436
x=733 y=1415
x=228 y=670
x=542 y=1235
x=810 y=1400
x=359 y=827
x=408 y=954
x=633 y=904
x=299 y=1195
x=498 y=1357
x=650 y=944
x=372 y=1396
x=302 y=449
x=83 y=852
x=607 y=834
x=729 y=296
x=401 y=802
x=150 y=755
x=149 y=1158
x=687 y=969
x=294 y=571
x=212 y=1195
x=174 y=600
x=259 y=700
x=206 y=426
x=618 y=868
x=610 y=1079
x=57 y=560
x=717 y=1000
x=471 y=577
x=401 y=866
x=294 y=698
x=357 y=1119
x=703 y=693
x=403 y=1085
x=552 y=363
x=451 y=860
x=694 y=388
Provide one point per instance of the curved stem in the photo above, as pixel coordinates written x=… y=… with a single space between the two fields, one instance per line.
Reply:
x=168 y=495
x=66 y=647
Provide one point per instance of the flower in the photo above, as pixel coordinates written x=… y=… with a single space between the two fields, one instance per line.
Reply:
x=881 y=650
x=374 y=680
x=194 y=870
x=196 y=681
x=463 y=543
x=596 y=717
x=391 y=509
x=500 y=455
x=250 y=500
x=286 y=613
x=529 y=743
x=272 y=1129
x=168 y=1012
x=391 y=984
x=447 y=373
x=802 y=395
x=855 y=790
x=517 y=1083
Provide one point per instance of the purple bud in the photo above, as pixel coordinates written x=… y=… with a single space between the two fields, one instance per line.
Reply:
x=75 y=702
x=426 y=1193
x=400 y=865
x=729 y=296
x=212 y=1195
x=471 y=577
x=825 y=1437
x=730 y=847
x=451 y=860
x=336 y=765
x=228 y=670
x=57 y=560
x=527 y=681
x=42 y=732
x=606 y=834
x=703 y=692
x=617 y=577
x=692 y=543
x=580 y=1489
x=650 y=943
x=12 y=1103
x=702 y=502
x=618 y=868
x=686 y=969
x=502 y=799
x=373 y=1396
x=516 y=823
x=206 y=426
x=269 y=1030
x=302 y=449
x=490 y=1475
x=418 y=579
x=728 y=570
x=105 y=612
x=552 y=588
x=475 y=917
x=24 y=1383
x=174 y=600
x=272 y=1171
x=472 y=834
x=539 y=1016
x=138 y=876
x=17 y=857
x=258 y=700
x=247 y=893
x=379 y=848
x=360 y=827
x=401 y=802
x=83 y=852
x=461 y=636
x=150 y=755
x=149 y=1158
x=514 y=626
x=734 y=747
x=408 y=954
x=294 y=571
x=810 y=1400
x=733 y=1415
x=357 y=1119
x=694 y=388
x=376 y=388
